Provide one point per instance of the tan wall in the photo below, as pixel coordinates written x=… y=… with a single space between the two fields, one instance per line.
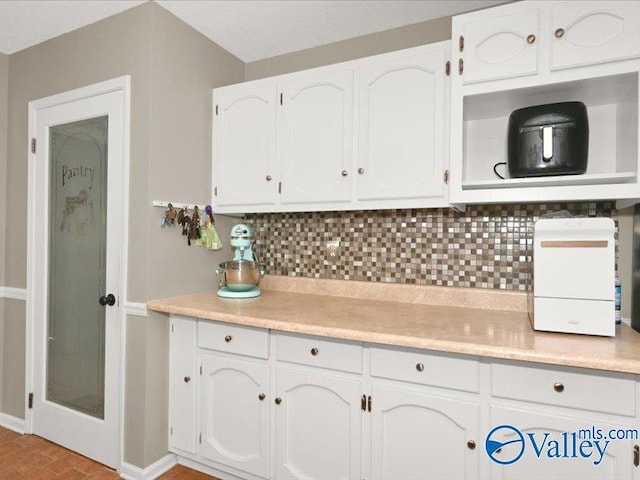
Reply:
x=113 y=47
x=4 y=92
x=395 y=39
x=116 y=46
x=4 y=89
x=13 y=361
x=173 y=70
x=186 y=67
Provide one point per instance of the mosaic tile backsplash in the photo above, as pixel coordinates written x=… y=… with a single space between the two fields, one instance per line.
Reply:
x=487 y=246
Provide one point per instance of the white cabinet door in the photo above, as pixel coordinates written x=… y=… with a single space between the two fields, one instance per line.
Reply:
x=419 y=436
x=401 y=127
x=587 y=32
x=499 y=46
x=318 y=427
x=235 y=413
x=556 y=439
x=244 y=145
x=182 y=385
x=316 y=138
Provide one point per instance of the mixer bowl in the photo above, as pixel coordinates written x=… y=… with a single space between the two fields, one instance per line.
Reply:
x=239 y=275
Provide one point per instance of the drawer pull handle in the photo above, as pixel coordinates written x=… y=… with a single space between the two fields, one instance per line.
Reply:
x=344 y=173
x=531 y=38
x=420 y=367
x=228 y=338
x=471 y=445
x=361 y=170
x=558 y=387
x=636 y=455
x=262 y=396
x=559 y=32
x=187 y=379
x=314 y=351
x=278 y=401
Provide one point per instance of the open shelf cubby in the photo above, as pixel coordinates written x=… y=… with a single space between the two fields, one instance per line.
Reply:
x=612 y=107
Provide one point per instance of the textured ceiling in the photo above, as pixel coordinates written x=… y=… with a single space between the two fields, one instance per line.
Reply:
x=257 y=29
x=26 y=23
x=249 y=29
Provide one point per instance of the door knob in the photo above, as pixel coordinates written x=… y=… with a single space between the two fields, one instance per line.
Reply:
x=108 y=300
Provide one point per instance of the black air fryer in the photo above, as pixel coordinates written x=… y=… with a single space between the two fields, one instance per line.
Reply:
x=548 y=140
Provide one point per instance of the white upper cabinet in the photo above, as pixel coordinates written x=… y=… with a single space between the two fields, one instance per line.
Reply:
x=499 y=46
x=530 y=53
x=402 y=127
x=244 y=145
x=592 y=32
x=291 y=143
x=316 y=138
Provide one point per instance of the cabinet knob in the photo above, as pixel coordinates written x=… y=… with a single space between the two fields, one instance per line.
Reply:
x=262 y=396
x=278 y=401
x=315 y=351
x=361 y=170
x=531 y=38
x=268 y=178
x=559 y=32
x=187 y=379
x=471 y=445
x=228 y=338
x=558 y=387
x=420 y=367
x=344 y=173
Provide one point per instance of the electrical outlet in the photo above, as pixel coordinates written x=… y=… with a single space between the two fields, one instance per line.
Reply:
x=332 y=250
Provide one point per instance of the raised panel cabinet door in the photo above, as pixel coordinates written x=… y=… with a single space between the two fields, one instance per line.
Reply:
x=556 y=439
x=244 y=145
x=318 y=427
x=235 y=413
x=583 y=33
x=316 y=138
x=401 y=127
x=421 y=436
x=183 y=412
x=501 y=46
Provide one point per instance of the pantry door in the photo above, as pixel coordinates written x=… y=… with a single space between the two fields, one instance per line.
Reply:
x=76 y=174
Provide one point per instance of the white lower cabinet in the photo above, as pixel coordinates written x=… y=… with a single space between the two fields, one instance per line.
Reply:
x=285 y=406
x=183 y=428
x=422 y=436
x=318 y=426
x=234 y=413
x=552 y=448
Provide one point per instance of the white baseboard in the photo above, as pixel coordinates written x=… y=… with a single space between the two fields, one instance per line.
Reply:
x=137 y=309
x=13 y=293
x=131 y=472
x=12 y=423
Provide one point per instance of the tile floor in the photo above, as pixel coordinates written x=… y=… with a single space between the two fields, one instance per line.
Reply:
x=27 y=457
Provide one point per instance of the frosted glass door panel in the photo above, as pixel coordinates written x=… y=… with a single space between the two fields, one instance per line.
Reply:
x=77 y=265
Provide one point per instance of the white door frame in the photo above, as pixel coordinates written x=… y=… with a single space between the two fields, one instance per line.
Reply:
x=122 y=84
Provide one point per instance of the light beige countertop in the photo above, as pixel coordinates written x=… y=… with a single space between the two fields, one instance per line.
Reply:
x=484 y=322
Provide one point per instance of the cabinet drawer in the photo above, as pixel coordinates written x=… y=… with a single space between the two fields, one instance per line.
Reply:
x=416 y=366
x=320 y=352
x=224 y=337
x=565 y=387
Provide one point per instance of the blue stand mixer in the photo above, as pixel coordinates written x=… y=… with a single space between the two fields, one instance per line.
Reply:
x=239 y=278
